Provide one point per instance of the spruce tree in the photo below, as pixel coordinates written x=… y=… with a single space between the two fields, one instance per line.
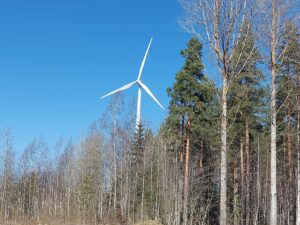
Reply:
x=137 y=150
x=136 y=168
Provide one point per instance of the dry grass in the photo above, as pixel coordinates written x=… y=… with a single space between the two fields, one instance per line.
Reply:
x=149 y=222
x=27 y=222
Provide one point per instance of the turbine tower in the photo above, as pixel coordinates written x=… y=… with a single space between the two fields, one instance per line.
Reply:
x=141 y=86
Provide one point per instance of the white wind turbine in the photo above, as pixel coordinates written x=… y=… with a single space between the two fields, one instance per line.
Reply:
x=141 y=85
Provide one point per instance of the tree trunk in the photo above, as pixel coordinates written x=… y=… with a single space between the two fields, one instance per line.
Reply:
x=181 y=150
x=186 y=172
x=298 y=162
x=201 y=156
x=223 y=190
x=298 y=146
x=290 y=192
x=143 y=187
x=242 y=179
x=115 y=168
x=258 y=186
x=273 y=170
x=247 y=149
x=289 y=139
x=236 y=205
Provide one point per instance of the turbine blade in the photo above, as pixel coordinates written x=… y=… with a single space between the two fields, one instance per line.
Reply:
x=150 y=93
x=120 y=89
x=144 y=59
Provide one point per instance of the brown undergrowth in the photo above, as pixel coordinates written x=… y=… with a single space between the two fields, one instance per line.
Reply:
x=25 y=222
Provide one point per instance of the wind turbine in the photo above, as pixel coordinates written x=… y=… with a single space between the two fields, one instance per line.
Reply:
x=141 y=86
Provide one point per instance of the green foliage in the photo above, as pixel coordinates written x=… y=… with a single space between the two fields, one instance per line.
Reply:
x=287 y=86
x=188 y=93
x=247 y=95
x=137 y=151
x=139 y=139
x=86 y=197
x=192 y=93
x=90 y=176
x=193 y=98
x=136 y=167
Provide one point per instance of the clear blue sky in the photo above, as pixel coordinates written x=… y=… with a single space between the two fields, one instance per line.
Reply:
x=58 y=57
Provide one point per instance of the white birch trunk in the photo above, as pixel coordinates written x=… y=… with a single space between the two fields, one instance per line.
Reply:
x=298 y=175
x=223 y=190
x=115 y=167
x=273 y=171
x=298 y=151
x=143 y=189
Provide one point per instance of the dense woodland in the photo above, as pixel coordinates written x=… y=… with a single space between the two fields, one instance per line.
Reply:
x=227 y=153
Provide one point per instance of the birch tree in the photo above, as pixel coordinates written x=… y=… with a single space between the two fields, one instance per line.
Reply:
x=275 y=16
x=7 y=172
x=298 y=149
x=218 y=23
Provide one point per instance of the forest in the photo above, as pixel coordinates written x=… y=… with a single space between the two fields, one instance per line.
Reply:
x=227 y=153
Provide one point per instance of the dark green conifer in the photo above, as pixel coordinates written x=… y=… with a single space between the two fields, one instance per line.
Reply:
x=191 y=119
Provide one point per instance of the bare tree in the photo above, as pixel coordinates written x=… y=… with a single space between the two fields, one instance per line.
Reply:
x=298 y=144
x=34 y=161
x=218 y=23
x=275 y=16
x=7 y=172
x=115 y=109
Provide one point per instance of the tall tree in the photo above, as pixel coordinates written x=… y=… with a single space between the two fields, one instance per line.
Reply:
x=7 y=171
x=90 y=175
x=189 y=94
x=286 y=118
x=34 y=162
x=137 y=154
x=275 y=13
x=298 y=145
x=219 y=23
x=246 y=99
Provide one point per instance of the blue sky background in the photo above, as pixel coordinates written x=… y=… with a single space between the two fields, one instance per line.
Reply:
x=58 y=57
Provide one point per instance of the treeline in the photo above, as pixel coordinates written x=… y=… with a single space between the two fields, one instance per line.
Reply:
x=113 y=176
x=227 y=153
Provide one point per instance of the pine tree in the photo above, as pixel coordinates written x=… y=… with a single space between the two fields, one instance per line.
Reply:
x=286 y=117
x=245 y=101
x=191 y=95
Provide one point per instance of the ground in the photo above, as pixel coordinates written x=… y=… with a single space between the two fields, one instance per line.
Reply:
x=149 y=222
